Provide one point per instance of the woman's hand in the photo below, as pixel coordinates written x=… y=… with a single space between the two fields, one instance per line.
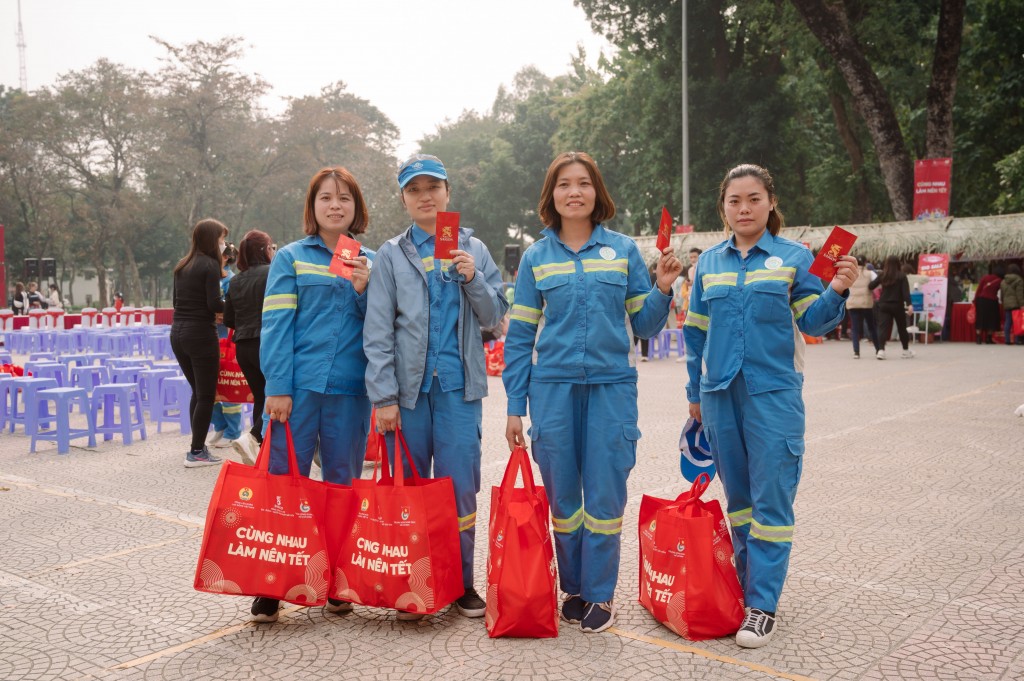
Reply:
x=668 y=270
x=846 y=273
x=695 y=412
x=514 y=432
x=464 y=264
x=279 y=407
x=360 y=273
x=388 y=419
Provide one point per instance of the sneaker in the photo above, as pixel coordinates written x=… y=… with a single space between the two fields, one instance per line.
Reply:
x=573 y=607
x=199 y=459
x=403 y=616
x=338 y=607
x=757 y=629
x=264 y=609
x=247 y=448
x=880 y=354
x=643 y=358
x=214 y=438
x=856 y=355
x=907 y=354
x=470 y=604
x=597 y=617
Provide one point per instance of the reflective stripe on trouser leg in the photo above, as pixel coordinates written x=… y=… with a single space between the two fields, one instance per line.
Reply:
x=773 y=424
x=339 y=423
x=581 y=444
x=444 y=430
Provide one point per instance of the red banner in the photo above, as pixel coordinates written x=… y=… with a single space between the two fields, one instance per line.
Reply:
x=931 y=188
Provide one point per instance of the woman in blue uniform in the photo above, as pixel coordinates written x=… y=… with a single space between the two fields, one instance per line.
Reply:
x=582 y=293
x=751 y=299
x=311 y=345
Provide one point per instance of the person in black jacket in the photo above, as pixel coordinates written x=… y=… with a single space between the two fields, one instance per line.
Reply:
x=197 y=300
x=893 y=306
x=243 y=312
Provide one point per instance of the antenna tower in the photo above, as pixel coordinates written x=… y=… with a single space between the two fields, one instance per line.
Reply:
x=22 y=73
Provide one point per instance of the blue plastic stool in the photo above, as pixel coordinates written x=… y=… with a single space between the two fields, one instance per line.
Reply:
x=62 y=432
x=6 y=357
x=149 y=388
x=172 y=404
x=66 y=342
x=49 y=369
x=89 y=376
x=665 y=343
x=129 y=400
x=28 y=387
x=5 y=400
x=42 y=357
x=158 y=346
x=124 y=374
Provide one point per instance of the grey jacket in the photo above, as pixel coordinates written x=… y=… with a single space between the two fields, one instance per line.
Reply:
x=398 y=314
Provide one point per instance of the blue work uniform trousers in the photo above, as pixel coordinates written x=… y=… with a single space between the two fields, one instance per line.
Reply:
x=443 y=432
x=340 y=423
x=227 y=418
x=584 y=442
x=757 y=444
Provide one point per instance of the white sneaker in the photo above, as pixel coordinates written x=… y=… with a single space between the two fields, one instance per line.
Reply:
x=337 y=607
x=907 y=354
x=757 y=629
x=213 y=438
x=880 y=354
x=247 y=448
x=403 y=616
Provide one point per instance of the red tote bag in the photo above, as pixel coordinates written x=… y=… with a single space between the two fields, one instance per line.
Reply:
x=231 y=383
x=402 y=551
x=521 y=597
x=263 y=533
x=1018 y=322
x=687 y=576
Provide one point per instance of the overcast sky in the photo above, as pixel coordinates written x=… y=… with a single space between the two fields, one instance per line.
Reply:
x=419 y=62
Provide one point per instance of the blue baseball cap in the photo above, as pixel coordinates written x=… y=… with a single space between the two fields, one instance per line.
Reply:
x=695 y=452
x=421 y=164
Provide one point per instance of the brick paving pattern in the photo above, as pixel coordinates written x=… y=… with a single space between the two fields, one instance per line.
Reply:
x=908 y=561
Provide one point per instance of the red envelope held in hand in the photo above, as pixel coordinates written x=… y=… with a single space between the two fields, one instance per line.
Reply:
x=664 y=230
x=347 y=249
x=446 y=236
x=839 y=243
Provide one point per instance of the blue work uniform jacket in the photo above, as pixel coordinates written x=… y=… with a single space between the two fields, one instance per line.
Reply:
x=576 y=313
x=312 y=336
x=396 y=333
x=747 y=314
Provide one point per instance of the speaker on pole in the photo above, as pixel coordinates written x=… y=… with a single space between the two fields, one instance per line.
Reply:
x=513 y=254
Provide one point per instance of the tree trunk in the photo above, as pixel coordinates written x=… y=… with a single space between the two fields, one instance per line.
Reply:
x=862 y=197
x=131 y=270
x=941 y=90
x=829 y=25
x=101 y=282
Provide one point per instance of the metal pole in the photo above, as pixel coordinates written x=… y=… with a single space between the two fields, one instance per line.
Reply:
x=686 y=125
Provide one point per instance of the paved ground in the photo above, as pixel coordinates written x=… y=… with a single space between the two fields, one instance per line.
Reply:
x=908 y=561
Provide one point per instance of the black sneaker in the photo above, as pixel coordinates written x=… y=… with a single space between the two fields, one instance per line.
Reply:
x=265 y=609
x=470 y=604
x=573 y=607
x=203 y=458
x=597 y=617
x=757 y=629
x=338 y=607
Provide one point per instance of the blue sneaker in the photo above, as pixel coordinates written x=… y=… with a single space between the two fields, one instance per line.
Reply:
x=597 y=617
x=199 y=459
x=573 y=607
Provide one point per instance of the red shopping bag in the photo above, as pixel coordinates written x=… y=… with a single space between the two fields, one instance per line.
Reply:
x=263 y=533
x=521 y=597
x=1018 y=322
x=372 y=448
x=231 y=383
x=495 y=357
x=402 y=551
x=687 y=576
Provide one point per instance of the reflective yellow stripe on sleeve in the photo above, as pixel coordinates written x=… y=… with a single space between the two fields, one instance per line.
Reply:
x=566 y=525
x=772 y=533
x=800 y=306
x=613 y=526
x=530 y=315
x=697 y=321
x=281 y=301
x=428 y=263
x=634 y=304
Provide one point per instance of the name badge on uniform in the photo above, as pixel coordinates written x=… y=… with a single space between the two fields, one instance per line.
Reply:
x=773 y=263
x=607 y=252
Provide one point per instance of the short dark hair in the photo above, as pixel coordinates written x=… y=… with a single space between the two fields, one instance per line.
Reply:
x=340 y=174
x=695 y=250
x=604 y=207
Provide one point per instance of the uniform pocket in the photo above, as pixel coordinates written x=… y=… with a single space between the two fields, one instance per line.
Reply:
x=557 y=295
x=631 y=434
x=792 y=464
x=770 y=302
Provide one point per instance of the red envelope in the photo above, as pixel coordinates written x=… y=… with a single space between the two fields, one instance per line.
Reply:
x=446 y=236
x=839 y=243
x=347 y=249
x=664 y=230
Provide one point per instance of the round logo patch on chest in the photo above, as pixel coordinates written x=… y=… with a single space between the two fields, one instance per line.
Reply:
x=607 y=252
x=773 y=263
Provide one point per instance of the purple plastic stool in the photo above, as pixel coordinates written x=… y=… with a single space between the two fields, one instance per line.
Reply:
x=172 y=404
x=129 y=400
x=28 y=387
x=62 y=432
